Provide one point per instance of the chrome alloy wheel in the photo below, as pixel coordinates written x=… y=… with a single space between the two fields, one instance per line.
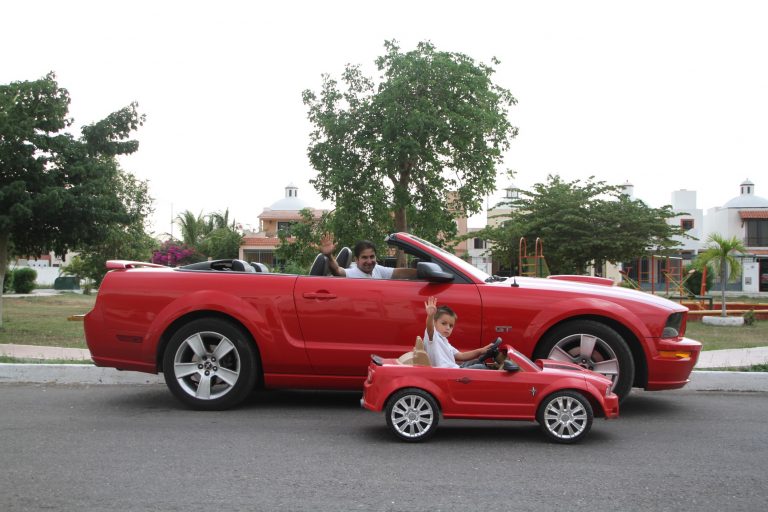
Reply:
x=590 y=352
x=206 y=365
x=565 y=417
x=412 y=416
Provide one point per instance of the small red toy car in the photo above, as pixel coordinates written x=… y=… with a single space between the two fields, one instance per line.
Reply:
x=562 y=397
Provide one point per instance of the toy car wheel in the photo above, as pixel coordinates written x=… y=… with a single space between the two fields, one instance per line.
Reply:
x=210 y=364
x=412 y=414
x=565 y=416
x=594 y=346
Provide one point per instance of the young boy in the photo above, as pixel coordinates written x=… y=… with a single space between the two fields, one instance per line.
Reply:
x=440 y=324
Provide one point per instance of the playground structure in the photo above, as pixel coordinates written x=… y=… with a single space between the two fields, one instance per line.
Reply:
x=667 y=274
x=662 y=274
x=532 y=266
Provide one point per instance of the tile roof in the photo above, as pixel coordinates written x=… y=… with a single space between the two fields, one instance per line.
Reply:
x=753 y=214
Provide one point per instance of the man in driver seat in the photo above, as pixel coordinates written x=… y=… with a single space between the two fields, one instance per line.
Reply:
x=365 y=266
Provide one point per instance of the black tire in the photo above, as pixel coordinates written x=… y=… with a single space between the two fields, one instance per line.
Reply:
x=610 y=354
x=210 y=364
x=565 y=416
x=412 y=414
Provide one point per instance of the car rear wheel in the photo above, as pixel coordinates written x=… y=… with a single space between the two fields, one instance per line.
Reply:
x=565 y=416
x=210 y=364
x=594 y=346
x=412 y=414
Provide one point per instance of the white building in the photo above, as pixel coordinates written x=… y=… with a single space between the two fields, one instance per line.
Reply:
x=745 y=217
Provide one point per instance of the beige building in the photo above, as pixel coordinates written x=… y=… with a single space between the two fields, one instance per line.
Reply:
x=260 y=246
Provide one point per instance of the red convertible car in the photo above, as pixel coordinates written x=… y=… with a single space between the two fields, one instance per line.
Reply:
x=562 y=397
x=219 y=329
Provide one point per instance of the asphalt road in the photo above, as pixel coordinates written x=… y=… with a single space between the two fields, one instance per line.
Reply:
x=135 y=448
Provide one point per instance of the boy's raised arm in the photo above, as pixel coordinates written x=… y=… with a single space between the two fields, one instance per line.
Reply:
x=431 y=307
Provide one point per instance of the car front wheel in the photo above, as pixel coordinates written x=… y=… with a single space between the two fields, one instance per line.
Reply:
x=593 y=346
x=565 y=416
x=412 y=414
x=210 y=364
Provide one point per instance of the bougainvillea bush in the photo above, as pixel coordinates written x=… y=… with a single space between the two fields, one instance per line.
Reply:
x=173 y=254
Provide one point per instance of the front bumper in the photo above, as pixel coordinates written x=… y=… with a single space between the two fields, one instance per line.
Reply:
x=672 y=364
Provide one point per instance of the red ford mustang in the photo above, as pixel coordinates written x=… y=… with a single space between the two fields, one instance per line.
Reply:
x=218 y=329
x=562 y=397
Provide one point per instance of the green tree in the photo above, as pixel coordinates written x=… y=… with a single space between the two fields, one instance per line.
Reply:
x=413 y=152
x=583 y=223
x=193 y=227
x=221 y=243
x=127 y=241
x=719 y=253
x=56 y=190
x=299 y=243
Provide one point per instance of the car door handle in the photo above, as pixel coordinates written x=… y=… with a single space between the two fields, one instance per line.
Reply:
x=319 y=295
x=464 y=380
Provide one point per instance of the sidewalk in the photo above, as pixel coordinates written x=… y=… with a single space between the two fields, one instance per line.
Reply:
x=86 y=373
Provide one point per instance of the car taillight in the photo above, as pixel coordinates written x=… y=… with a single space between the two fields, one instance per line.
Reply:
x=370 y=376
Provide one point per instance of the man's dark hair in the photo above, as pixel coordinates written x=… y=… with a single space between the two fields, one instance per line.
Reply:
x=445 y=310
x=363 y=245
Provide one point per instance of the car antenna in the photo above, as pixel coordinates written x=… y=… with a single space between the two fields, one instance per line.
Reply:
x=514 y=283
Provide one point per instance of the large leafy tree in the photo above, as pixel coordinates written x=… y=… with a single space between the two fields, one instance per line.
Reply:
x=581 y=223
x=57 y=190
x=721 y=254
x=413 y=151
x=128 y=240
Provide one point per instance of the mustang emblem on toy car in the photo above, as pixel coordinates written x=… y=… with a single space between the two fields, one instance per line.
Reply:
x=218 y=329
x=414 y=397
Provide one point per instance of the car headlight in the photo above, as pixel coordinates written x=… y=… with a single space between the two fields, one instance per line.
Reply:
x=673 y=325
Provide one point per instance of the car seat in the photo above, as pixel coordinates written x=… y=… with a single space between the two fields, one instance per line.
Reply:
x=416 y=357
x=319 y=266
x=345 y=254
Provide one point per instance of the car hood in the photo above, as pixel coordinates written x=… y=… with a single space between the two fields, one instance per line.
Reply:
x=571 y=285
x=562 y=366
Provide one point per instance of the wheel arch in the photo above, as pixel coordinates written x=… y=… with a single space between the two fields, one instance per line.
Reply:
x=181 y=321
x=631 y=338
x=433 y=391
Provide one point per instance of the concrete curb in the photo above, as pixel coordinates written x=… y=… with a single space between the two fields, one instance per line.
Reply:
x=89 y=374
x=728 y=381
x=73 y=374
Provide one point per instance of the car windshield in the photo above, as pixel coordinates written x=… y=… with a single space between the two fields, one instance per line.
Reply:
x=457 y=262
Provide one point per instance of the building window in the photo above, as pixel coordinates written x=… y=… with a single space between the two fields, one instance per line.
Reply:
x=686 y=224
x=757 y=233
x=479 y=243
x=281 y=225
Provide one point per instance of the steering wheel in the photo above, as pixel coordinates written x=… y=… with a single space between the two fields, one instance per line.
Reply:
x=493 y=351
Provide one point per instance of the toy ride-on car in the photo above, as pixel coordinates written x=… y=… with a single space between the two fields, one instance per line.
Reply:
x=562 y=397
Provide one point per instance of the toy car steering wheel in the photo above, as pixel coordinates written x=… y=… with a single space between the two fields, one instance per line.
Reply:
x=493 y=351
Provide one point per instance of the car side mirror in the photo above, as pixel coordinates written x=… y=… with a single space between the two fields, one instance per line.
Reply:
x=432 y=272
x=510 y=366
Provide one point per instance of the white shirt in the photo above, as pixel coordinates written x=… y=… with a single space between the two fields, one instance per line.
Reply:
x=378 y=272
x=440 y=350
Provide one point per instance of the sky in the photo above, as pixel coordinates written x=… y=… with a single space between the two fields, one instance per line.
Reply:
x=666 y=95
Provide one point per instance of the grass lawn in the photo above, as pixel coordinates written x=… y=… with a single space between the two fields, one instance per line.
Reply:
x=43 y=320
x=718 y=337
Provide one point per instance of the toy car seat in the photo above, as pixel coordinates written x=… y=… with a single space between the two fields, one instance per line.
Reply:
x=416 y=357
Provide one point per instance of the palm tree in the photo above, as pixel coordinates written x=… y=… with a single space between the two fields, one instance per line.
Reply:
x=719 y=252
x=193 y=228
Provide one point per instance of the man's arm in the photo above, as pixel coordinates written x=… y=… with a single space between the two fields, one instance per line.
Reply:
x=404 y=273
x=326 y=248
